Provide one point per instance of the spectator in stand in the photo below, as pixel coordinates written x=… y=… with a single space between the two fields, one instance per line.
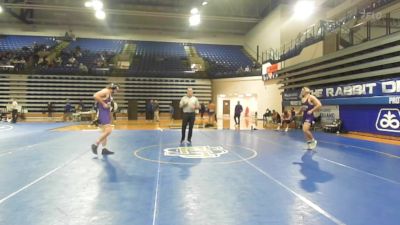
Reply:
x=71 y=61
x=78 y=53
x=83 y=68
x=57 y=61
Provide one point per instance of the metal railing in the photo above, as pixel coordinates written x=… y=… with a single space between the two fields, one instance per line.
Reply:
x=357 y=26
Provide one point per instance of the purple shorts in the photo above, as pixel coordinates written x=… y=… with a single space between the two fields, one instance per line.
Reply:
x=104 y=116
x=308 y=118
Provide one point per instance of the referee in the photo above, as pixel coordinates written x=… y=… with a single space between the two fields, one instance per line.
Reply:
x=189 y=104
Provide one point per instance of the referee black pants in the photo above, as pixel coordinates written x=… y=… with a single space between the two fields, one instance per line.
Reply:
x=14 y=115
x=237 y=116
x=188 y=118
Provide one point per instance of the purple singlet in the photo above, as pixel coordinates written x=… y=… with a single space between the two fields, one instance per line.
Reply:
x=104 y=114
x=308 y=118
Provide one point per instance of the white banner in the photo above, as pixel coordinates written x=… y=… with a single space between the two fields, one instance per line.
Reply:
x=329 y=113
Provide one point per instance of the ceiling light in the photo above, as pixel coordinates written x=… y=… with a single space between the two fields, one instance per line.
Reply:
x=194 y=11
x=88 y=4
x=204 y=3
x=304 y=9
x=97 y=5
x=1 y=9
x=100 y=14
x=194 y=20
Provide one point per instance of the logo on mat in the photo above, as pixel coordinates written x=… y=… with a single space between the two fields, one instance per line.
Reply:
x=388 y=120
x=6 y=127
x=196 y=152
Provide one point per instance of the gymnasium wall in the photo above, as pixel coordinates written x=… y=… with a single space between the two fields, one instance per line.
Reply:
x=310 y=52
x=274 y=30
x=291 y=27
x=266 y=34
x=278 y=28
x=268 y=94
x=39 y=30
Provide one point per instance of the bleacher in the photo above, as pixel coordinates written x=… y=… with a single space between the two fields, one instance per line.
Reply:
x=159 y=58
x=17 y=51
x=224 y=60
x=92 y=49
x=17 y=43
x=162 y=59
x=34 y=92
x=97 y=45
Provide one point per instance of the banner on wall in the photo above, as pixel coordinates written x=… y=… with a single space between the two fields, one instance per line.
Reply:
x=375 y=92
x=378 y=119
x=388 y=120
x=329 y=114
x=269 y=71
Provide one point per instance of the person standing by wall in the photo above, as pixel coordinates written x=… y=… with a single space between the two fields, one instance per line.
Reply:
x=149 y=109
x=14 y=111
x=238 y=111
x=202 y=110
x=171 y=114
x=211 y=113
x=156 y=111
x=68 y=110
x=49 y=109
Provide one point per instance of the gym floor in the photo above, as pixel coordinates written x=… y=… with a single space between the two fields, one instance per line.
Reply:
x=226 y=177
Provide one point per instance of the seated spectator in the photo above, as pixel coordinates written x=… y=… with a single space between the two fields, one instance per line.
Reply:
x=267 y=116
x=78 y=53
x=71 y=61
x=80 y=107
x=276 y=118
x=83 y=68
x=286 y=119
x=43 y=62
x=293 y=113
x=57 y=61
